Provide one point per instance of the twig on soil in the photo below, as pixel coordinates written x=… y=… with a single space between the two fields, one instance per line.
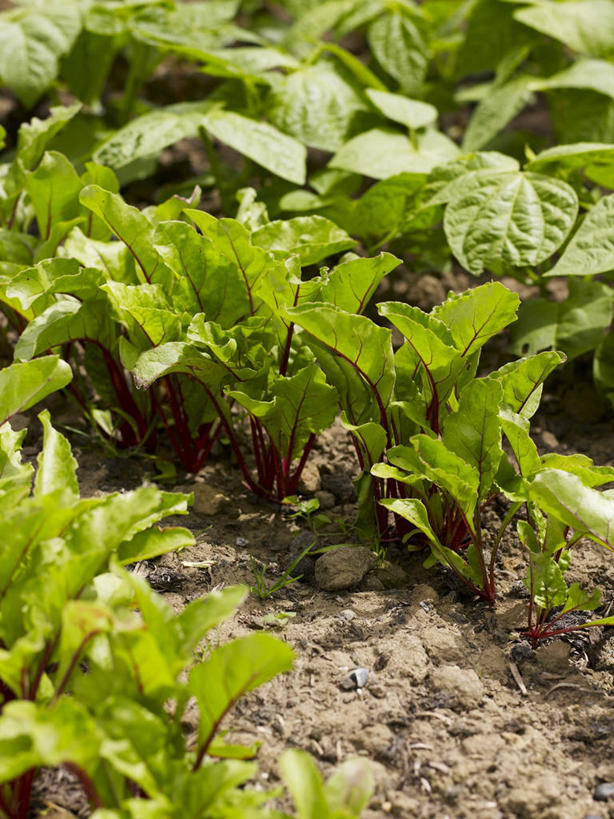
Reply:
x=572 y=685
x=517 y=677
x=435 y=715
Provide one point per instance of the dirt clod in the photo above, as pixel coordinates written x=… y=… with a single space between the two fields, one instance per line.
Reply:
x=343 y=568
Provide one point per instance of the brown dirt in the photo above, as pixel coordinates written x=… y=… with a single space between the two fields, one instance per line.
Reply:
x=454 y=725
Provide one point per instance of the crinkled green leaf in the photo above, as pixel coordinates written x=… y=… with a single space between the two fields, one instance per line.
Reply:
x=585 y=26
x=591 y=249
x=316 y=105
x=502 y=220
x=522 y=381
x=351 y=284
x=384 y=152
x=399 y=47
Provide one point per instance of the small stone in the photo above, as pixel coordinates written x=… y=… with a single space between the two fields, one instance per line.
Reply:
x=604 y=792
x=522 y=652
x=209 y=501
x=241 y=541
x=343 y=568
x=326 y=499
x=461 y=684
x=348 y=614
x=360 y=676
x=310 y=480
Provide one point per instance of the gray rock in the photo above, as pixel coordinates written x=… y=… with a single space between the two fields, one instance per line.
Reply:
x=310 y=480
x=604 y=791
x=460 y=684
x=326 y=499
x=360 y=676
x=343 y=568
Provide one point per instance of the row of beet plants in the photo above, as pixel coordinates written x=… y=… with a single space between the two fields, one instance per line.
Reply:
x=190 y=329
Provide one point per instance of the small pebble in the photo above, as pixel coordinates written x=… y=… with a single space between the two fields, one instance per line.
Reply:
x=242 y=541
x=604 y=791
x=360 y=676
x=348 y=614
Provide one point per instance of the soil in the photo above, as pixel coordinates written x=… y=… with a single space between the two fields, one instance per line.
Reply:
x=458 y=716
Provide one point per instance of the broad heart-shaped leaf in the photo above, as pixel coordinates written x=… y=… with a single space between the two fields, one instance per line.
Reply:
x=351 y=284
x=587 y=511
x=316 y=105
x=474 y=430
x=365 y=357
x=194 y=259
x=398 y=45
x=231 y=671
x=56 y=465
x=302 y=404
x=522 y=381
x=54 y=190
x=384 y=152
x=591 y=249
x=477 y=314
x=32 y=40
x=446 y=181
x=578 y=324
x=503 y=220
x=263 y=143
x=23 y=384
x=585 y=26
x=313 y=238
x=130 y=226
x=411 y=113
x=146 y=136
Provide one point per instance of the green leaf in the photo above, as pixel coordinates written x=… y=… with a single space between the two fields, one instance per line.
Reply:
x=585 y=317
x=34 y=136
x=313 y=238
x=588 y=512
x=231 y=671
x=129 y=225
x=56 y=465
x=32 y=40
x=351 y=787
x=522 y=381
x=516 y=429
x=590 y=250
x=24 y=384
x=384 y=152
x=585 y=26
x=500 y=105
x=446 y=470
x=477 y=315
x=54 y=190
x=365 y=353
x=278 y=153
x=302 y=404
x=153 y=543
x=351 y=284
x=415 y=512
x=593 y=75
x=503 y=220
x=548 y=582
x=580 y=465
x=399 y=47
x=145 y=137
x=316 y=105
x=572 y=157
x=411 y=113
x=474 y=431
x=304 y=781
